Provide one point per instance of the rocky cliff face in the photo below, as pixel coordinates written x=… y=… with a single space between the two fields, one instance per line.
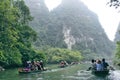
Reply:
x=71 y=25
x=85 y=31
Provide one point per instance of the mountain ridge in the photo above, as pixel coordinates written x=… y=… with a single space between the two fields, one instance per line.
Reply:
x=75 y=25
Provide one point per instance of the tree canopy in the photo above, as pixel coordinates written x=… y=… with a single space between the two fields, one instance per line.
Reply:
x=15 y=34
x=114 y=3
x=55 y=55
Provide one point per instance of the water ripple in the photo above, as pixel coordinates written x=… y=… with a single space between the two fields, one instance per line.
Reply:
x=115 y=75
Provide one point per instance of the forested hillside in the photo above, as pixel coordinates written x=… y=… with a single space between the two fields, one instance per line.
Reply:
x=16 y=36
x=117 y=43
x=74 y=27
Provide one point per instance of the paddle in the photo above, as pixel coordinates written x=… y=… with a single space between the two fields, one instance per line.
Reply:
x=89 y=68
x=111 y=68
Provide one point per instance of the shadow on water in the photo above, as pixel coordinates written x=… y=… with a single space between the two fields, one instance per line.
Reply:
x=76 y=72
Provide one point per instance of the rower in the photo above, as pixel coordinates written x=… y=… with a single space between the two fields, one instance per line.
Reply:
x=104 y=64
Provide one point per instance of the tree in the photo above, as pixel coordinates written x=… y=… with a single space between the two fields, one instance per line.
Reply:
x=8 y=35
x=114 y=3
x=16 y=36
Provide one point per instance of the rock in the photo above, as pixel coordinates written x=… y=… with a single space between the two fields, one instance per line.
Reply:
x=1 y=68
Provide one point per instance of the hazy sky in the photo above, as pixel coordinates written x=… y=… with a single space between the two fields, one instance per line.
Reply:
x=108 y=17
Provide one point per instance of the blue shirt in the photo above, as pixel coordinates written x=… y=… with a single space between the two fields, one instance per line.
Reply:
x=99 y=67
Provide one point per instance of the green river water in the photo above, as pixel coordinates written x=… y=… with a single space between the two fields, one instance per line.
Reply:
x=76 y=72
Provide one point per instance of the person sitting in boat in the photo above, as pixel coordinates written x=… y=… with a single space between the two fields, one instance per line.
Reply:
x=41 y=65
x=66 y=64
x=33 y=67
x=62 y=64
x=38 y=65
x=98 y=65
x=93 y=67
x=93 y=64
x=104 y=64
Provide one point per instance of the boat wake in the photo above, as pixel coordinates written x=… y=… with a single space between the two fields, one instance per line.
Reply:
x=115 y=75
x=86 y=75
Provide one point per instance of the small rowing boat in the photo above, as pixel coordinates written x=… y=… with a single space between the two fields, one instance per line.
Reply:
x=26 y=71
x=100 y=73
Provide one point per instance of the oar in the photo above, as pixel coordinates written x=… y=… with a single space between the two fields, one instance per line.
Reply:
x=111 y=68
x=89 y=68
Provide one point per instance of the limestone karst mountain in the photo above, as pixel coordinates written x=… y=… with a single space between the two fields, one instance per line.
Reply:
x=70 y=25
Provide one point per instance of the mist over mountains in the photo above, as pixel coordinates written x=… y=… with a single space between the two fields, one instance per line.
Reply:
x=70 y=25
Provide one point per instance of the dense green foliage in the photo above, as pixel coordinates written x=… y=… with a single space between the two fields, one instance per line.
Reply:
x=89 y=55
x=117 y=42
x=117 y=51
x=15 y=34
x=8 y=34
x=55 y=55
x=117 y=54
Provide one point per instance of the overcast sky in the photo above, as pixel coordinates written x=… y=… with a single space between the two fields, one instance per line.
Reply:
x=108 y=17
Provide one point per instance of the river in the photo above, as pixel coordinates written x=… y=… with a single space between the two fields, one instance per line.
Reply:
x=76 y=72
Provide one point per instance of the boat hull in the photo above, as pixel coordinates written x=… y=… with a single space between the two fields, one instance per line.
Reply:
x=26 y=72
x=101 y=73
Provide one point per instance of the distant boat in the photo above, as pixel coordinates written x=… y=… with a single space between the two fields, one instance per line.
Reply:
x=100 y=73
x=62 y=66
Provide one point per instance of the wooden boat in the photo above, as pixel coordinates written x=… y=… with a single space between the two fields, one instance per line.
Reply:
x=62 y=66
x=100 y=73
x=26 y=71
